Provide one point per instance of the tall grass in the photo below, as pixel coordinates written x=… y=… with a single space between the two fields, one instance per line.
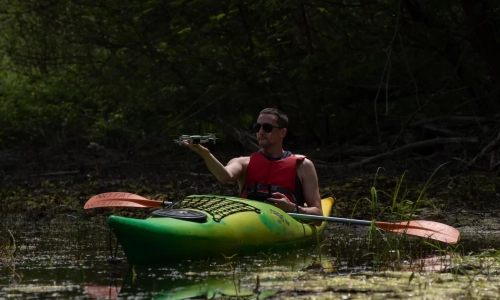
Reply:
x=385 y=250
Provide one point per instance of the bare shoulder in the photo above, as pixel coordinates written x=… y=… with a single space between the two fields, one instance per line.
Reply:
x=242 y=160
x=306 y=164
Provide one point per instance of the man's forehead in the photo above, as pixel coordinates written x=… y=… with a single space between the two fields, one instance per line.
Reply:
x=269 y=118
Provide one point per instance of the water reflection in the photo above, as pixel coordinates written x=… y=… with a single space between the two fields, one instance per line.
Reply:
x=252 y=277
x=100 y=292
x=158 y=284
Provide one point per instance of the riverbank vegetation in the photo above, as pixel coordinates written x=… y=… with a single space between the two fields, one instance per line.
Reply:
x=363 y=82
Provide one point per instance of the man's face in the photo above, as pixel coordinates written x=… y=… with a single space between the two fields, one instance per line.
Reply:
x=267 y=139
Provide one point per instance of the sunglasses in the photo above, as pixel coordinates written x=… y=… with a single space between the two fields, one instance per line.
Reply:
x=267 y=127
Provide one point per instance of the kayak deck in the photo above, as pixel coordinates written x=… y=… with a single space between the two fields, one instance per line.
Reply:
x=227 y=226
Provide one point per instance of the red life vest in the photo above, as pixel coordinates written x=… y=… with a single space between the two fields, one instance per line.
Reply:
x=280 y=174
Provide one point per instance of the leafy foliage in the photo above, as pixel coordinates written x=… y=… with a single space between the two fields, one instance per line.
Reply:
x=119 y=71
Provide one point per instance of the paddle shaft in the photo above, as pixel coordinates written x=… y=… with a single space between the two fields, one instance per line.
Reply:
x=330 y=219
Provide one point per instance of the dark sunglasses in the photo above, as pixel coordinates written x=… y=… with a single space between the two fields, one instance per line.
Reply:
x=267 y=127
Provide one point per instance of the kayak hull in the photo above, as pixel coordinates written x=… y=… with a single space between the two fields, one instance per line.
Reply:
x=235 y=227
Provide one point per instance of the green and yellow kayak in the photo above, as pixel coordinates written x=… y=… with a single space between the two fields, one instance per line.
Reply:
x=209 y=226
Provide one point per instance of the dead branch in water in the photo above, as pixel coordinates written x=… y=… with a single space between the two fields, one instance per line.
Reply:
x=492 y=149
x=7 y=253
x=58 y=173
x=11 y=244
x=417 y=145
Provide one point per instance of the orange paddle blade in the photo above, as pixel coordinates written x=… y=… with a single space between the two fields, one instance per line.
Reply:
x=426 y=229
x=120 y=199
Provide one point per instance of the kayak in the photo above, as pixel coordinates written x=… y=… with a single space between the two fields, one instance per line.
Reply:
x=210 y=226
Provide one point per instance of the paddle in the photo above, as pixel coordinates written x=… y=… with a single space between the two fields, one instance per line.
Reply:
x=421 y=228
x=120 y=199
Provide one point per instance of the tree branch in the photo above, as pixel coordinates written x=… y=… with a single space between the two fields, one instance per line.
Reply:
x=421 y=144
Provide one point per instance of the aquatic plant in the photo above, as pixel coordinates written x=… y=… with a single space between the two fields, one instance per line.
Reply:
x=379 y=249
x=8 y=253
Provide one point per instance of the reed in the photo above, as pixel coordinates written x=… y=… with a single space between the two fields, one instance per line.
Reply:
x=8 y=253
x=380 y=250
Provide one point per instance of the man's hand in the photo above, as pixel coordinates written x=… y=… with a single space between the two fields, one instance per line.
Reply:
x=281 y=201
x=197 y=148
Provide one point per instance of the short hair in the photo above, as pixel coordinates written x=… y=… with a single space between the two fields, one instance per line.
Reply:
x=282 y=117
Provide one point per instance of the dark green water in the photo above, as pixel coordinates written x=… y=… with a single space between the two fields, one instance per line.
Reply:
x=68 y=259
x=57 y=259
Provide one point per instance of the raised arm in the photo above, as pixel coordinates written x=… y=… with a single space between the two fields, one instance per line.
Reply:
x=233 y=171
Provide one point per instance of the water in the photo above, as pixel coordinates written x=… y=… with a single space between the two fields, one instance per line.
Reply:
x=68 y=259
x=56 y=259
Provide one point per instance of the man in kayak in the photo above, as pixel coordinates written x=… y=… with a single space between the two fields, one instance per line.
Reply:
x=286 y=180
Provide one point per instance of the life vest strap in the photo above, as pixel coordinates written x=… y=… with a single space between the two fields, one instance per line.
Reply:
x=254 y=192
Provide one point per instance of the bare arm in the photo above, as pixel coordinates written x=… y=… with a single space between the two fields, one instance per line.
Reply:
x=310 y=188
x=233 y=171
